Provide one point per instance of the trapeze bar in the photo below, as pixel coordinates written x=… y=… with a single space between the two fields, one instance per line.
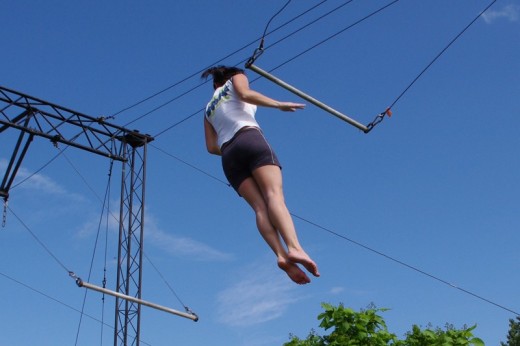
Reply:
x=191 y=316
x=307 y=97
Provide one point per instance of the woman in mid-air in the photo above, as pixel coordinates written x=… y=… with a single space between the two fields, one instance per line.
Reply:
x=250 y=164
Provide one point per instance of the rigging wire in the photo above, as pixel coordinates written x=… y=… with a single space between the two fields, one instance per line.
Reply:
x=260 y=48
x=240 y=63
x=168 y=284
x=366 y=247
x=165 y=104
x=107 y=194
x=215 y=63
x=402 y=263
x=71 y=273
x=251 y=59
x=42 y=244
x=59 y=302
x=52 y=298
x=377 y=119
x=441 y=52
x=44 y=166
x=107 y=208
x=337 y=8
x=380 y=116
x=303 y=219
x=103 y=208
x=258 y=51
x=218 y=61
x=190 y=165
x=331 y=36
x=104 y=283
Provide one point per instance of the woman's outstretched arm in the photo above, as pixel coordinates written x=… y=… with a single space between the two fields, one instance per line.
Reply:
x=241 y=85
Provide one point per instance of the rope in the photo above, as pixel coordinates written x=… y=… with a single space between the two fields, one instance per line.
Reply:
x=106 y=198
x=42 y=167
x=40 y=242
x=258 y=51
x=403 y=263
x=380 y=117
x=106 y=251
x=4 y=213
x=220 y=60
x=107 y=190
x=190 y=165
x=50 y=297
x=215 y=63
x=247 y=61
x=441 y=52
x=316 y=225
x=165 y=104
x=251 y=60
x=71 y=273
x=186 y=308
x=59 y=302
x=331 y=36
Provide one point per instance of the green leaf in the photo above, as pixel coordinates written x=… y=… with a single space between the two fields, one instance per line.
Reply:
x=477 y=342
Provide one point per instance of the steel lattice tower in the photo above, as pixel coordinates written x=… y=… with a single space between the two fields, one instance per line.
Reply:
x=35 y=117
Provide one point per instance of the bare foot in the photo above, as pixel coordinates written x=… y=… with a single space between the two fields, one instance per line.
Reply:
x=299 y=256
x=294 y=272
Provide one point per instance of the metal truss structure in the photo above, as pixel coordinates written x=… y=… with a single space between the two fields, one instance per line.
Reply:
x=35 y=117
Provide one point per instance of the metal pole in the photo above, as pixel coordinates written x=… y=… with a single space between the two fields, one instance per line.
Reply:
x=193 y=317
x=307 y=97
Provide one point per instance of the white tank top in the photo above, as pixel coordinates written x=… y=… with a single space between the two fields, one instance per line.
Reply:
x=228 y=114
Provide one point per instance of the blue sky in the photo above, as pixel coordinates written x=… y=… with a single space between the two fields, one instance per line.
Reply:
x=435 y=187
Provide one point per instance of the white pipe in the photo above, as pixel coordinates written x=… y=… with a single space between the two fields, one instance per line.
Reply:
x=307 y=97
x=81 y=283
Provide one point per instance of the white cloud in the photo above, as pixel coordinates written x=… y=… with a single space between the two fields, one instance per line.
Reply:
x=510 y=12
x=181 y=246
x=155 y=236
x=90 y=227
x=171 y=243
x=39 y=183
x=263 y=294
x=337 y=290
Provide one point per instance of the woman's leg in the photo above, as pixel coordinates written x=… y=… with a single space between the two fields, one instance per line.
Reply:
x=252 y=194
x=269 y=180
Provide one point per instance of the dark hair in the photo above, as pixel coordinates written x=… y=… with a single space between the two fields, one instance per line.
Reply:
x=221 y=74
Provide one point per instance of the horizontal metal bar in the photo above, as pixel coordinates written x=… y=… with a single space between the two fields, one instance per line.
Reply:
x=307 y=97
x=64 y=141
x=30 y=101
x=81 y=283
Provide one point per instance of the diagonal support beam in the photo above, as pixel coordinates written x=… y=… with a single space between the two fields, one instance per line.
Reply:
x=14 y=163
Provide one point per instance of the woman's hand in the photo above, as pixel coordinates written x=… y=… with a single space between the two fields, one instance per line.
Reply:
x=290 y=106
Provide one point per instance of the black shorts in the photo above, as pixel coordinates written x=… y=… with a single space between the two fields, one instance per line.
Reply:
x=245 y=152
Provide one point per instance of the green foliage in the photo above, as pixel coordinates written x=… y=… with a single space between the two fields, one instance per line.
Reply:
x=354 y=328
x=313 y=339
x=513 y=336
x=367 y=328
x=438 y=337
